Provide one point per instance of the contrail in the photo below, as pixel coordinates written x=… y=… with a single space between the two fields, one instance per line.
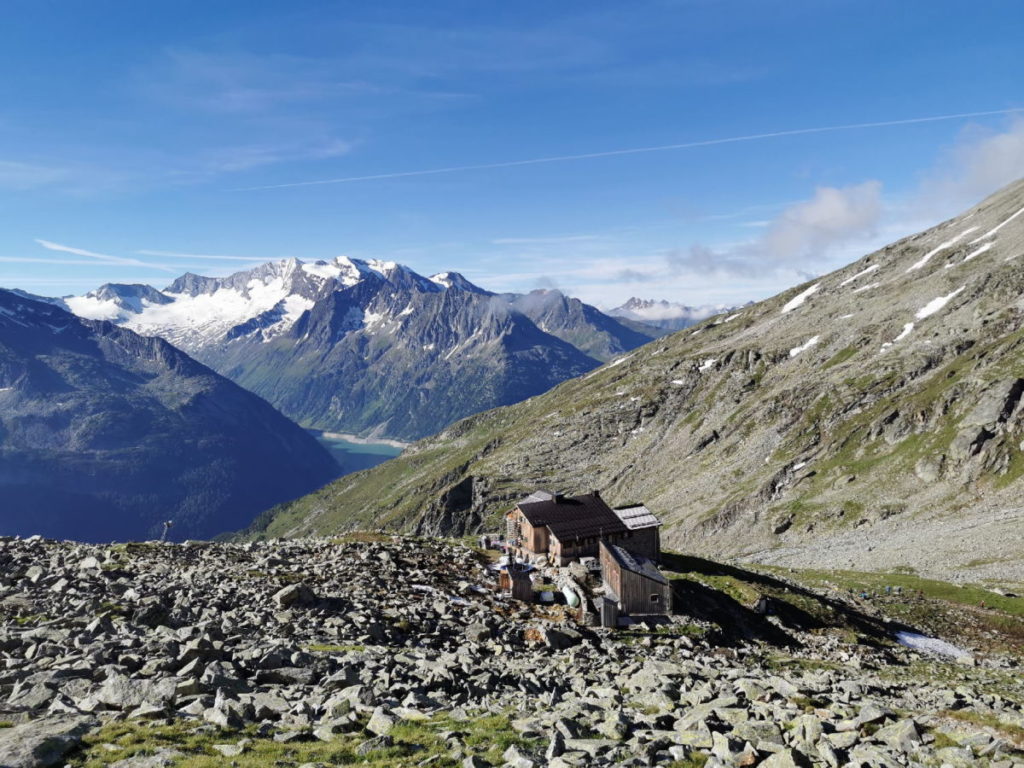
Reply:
x=634 y=151
x=103 y=257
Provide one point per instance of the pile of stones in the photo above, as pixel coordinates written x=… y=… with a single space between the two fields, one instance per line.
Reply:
x=316 y=639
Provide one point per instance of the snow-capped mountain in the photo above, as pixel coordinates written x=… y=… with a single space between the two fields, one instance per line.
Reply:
x=369 y=346
x=667 y=315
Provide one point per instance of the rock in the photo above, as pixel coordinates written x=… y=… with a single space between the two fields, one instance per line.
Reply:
x=294 y=594
x=43 y=742
x=162 y=758
x=380 y=722
x=232 y=750
x=373 y=745
x=901 y=736
x=122 y=692
x=786 y=758
x=477 y=633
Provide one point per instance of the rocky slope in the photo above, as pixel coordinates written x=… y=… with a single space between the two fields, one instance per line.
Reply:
x=370 y=347
x=105 y=434
x=869 y=418
x=397 y=652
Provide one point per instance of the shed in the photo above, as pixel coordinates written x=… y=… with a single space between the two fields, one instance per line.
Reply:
x=644 y=537
x=634 y=582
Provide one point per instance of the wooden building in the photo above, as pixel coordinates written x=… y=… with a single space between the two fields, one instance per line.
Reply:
x=634 y=582
x=564 y=528
x=644 y=531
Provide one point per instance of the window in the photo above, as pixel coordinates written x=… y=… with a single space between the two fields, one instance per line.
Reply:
x=655 y=599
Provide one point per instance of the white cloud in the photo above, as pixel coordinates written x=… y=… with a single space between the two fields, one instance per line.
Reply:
x=23 y=176
x=832 y=216
x=979 y=163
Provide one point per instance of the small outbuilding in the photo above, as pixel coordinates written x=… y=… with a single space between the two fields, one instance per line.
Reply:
x=634 y=582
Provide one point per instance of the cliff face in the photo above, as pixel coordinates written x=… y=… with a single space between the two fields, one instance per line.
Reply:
x=876 y=409
x=105 y=434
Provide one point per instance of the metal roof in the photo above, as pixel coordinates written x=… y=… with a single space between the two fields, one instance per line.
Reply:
x=635 y=563
x=637 y=516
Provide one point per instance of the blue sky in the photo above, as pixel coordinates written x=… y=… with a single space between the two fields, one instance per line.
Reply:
x=130 y=131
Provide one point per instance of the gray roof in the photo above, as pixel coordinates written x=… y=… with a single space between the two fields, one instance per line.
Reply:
x=637 y=516
x=635 y=563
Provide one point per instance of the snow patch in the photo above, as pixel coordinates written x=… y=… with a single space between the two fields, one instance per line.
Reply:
x=94 y=309
x=905 y=332
x=803 y=347
x=863 y=272
x=322 y=269
x=936 y=304
x=978 y=252
x=678 y=382
x=706 y=365
x=619 y=361
x=930 y=645
x=799 y=299
x=867 y=287
x=996 y=228
x=949 y=243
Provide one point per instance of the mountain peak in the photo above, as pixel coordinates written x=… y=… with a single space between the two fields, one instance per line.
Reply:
x=456 y=281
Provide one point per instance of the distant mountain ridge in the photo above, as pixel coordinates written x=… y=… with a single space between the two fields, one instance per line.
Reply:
x=105 y=434
x=370 y=347
x=669 y=316
x=870 y=418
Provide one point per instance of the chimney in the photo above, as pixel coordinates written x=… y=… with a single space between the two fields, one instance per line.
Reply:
x=559 y=498
x=596 y=494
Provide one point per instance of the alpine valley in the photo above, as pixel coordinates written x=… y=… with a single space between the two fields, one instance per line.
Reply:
x=371 y=347
x=877 y=409
x=105 y=434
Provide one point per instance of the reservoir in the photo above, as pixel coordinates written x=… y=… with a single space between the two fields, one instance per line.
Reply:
x=357 y=453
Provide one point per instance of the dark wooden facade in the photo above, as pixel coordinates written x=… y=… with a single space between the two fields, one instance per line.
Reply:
x=634 y=582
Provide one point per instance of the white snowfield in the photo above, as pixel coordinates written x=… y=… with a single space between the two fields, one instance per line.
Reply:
x=706 y=364
x=803 y=347
x=905 y=332
x=276 y=293
x=937 y=249
x=996 y=228
x=936 y=304
x=799 y=299
x=860 y=274
x=930 y=645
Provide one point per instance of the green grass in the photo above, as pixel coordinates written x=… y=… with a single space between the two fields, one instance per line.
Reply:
x=413 y=742
x=839 y=357
x=6 y=724
x=1014 y=733
x=320 y=648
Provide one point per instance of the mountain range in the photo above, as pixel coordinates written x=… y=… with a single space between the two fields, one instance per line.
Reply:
x=370 y=347
x=666 y=315
x=105 y=434
x=871 y=417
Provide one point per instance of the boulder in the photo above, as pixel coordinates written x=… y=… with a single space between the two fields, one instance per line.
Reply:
x=43 y=742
